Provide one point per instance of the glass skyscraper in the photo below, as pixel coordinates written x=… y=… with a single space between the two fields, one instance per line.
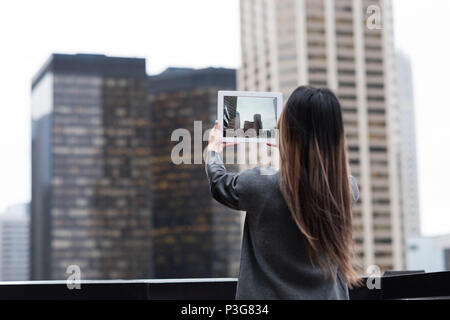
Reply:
x=193 y=235
x=106 y=195
x=90 y=170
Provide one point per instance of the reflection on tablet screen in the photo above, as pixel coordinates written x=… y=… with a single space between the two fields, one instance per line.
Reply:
x=249 y=116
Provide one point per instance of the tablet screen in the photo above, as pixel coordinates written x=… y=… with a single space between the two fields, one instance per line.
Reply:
x=249 y=116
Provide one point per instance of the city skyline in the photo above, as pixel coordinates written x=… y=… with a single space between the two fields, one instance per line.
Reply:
x=105 y=194
x=431 y=129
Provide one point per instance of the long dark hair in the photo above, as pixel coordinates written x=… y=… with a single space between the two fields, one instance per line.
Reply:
x=314 y=178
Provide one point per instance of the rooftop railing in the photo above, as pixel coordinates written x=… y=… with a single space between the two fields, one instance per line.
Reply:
x=404 y=286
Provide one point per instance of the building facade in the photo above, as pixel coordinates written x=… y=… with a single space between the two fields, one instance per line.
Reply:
x=90 y=174
x=347 y=46
x=407 y=150
x=14 y=243
x=193 y=235
x=430 y=254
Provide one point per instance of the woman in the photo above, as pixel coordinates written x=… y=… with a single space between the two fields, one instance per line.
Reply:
x=298 y=226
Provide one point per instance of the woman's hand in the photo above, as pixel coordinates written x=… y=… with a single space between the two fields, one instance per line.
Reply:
x=215 y=139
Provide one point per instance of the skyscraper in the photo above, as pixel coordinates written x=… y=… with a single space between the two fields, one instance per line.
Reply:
x=406 y=148
x=431 y=254
x=14 y=243
x=193 y=235
x=90 y=174
x=345 y=45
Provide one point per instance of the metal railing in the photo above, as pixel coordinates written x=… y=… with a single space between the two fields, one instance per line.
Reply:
x=409 y=286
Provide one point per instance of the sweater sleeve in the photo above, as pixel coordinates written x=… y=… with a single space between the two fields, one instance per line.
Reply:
x=355 y=189
x=224 y=186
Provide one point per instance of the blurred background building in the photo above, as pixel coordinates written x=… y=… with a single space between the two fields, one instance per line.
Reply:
x=14 y=243
x=286 y=43
x=90 y=174
x=431 y=254
x=106 y=195
x=193 y=235
x=406 y=142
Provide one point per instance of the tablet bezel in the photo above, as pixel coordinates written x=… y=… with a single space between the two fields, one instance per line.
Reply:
x=220 y=99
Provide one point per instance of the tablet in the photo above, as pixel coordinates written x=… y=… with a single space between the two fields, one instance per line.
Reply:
x=249 y=116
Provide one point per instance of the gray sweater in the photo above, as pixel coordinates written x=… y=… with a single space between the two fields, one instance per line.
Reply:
x=274 y=262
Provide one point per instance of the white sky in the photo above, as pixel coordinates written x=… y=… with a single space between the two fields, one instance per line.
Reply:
x=200 y=33
x=249 y=106
x=422 y=32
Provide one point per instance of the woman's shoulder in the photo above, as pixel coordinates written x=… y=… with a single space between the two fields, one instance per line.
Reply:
x=255 y=186
x=256 y=182
x=263 y=175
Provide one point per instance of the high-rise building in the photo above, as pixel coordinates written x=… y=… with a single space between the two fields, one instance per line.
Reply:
x=14 y=243
x=193 y=235
x=431 y=254
x=90 y=169
x=406 y=148
x=346 y=45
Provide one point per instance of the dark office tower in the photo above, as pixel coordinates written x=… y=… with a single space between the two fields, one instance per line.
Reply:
x=237 y=121
x=194 y=236
x=90 y=168
x=257 y=122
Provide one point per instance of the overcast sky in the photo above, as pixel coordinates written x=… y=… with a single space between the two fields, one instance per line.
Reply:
x=249 y=106
x=200 y=33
